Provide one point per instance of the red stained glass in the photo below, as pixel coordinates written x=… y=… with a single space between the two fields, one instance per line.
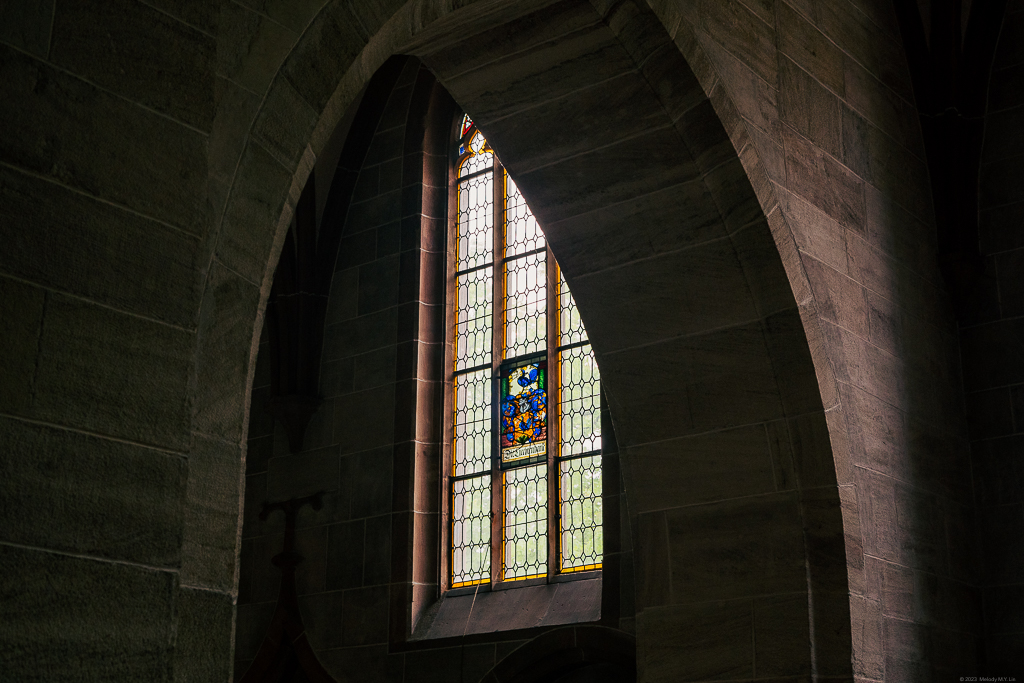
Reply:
x=524 y=412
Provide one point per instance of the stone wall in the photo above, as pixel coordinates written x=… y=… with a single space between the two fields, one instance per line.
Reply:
x=373 y=446
x=349 y=448
x=150 y=159
x=120 y=478
x=823 y=113
x=726 y=460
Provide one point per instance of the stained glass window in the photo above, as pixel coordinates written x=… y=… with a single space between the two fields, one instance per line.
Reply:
x=524 y=413
x=525 y=397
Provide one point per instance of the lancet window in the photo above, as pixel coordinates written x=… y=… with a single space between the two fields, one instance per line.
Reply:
x=522 y=440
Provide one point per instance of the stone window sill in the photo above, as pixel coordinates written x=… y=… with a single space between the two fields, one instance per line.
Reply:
x=482 y=610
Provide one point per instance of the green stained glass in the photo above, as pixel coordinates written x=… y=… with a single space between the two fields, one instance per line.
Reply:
x=524 y=412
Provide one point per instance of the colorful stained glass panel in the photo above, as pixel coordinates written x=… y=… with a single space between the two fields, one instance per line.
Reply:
x=482 y=157
x=525 y=531
x=524 y=412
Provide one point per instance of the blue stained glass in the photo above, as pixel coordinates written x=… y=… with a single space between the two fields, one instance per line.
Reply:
x=524 y=412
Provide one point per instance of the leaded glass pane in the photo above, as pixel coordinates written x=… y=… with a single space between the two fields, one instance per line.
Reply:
x=471 y=530
x=475 y=242
x=579 y=401
x=522 y=234
x=474 y=292
x=471 y=445
x=525 y=536
x=522 y=409
x=582 y=542
x=482 y=157
x=524 y=412
x=570 y=327
x=526 y=302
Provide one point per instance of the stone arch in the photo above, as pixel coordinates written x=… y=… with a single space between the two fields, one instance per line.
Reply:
x=568 y=655
x=756 y=333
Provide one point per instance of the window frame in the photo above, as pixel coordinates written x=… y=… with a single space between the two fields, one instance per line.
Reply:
x=552 y=349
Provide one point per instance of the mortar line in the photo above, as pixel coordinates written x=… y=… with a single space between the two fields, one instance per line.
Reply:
x=590 y=150
x=269 y=18
x=525 y=50
x=127 y=209
x=884 y=34
x=177 y=19
x=99 y=87
x=220 y=261
x=927 y=219
x=720 y=430
x=687 y=335
x=93 y=302
x=705 y=503
x=53 y=21
x=98 y=435
x=206 y=589
x=39 y=348
x=914 y=487
x=83 y=556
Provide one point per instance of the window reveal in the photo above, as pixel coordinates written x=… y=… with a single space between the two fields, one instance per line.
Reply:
x=525 y=420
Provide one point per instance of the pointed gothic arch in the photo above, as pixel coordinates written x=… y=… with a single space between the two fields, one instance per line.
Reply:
x=731 y=336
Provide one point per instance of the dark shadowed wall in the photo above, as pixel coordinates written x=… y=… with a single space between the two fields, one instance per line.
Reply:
x=991 y=342
x=754 y=167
